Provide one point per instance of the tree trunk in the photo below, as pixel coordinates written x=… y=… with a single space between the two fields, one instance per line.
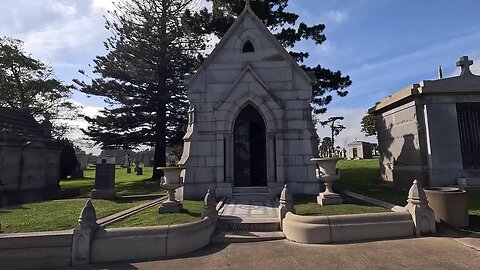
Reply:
x=159 y=159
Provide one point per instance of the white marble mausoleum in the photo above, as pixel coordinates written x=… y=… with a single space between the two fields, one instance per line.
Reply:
x=250 y=122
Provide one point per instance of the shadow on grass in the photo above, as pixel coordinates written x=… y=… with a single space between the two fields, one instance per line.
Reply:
x=363 y=176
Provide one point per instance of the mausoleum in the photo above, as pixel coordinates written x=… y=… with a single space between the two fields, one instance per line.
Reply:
x=431 y=131
x=359 y=150
x=250 y=122
x=29 y=159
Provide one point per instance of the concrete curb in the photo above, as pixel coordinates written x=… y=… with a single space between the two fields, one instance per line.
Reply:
x=126 y=213
x=392 y=207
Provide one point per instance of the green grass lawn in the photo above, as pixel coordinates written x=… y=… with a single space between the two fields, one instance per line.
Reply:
x=126 y=184
x=307 y=205
x=363 y=177
x=56 y=215
x=192 y=211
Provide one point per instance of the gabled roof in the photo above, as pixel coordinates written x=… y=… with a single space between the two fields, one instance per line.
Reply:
x=248 y=69
x=19 y=123
x=238 y=22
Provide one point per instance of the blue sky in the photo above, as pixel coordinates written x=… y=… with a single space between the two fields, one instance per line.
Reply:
x=384 y=45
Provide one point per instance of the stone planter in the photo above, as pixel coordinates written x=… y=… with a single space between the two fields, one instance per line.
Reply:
x=327 y=172
x=449 y=205
x=171 y=181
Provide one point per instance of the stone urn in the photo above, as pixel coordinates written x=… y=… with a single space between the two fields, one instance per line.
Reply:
x=171 y=181
x=327 y=172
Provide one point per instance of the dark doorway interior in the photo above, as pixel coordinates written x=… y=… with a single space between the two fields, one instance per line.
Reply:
x=250 y=159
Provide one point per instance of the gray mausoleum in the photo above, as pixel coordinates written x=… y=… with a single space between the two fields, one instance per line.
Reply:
x=359 y=150
x=250 y=122
x=29 y=159
x=431 y=131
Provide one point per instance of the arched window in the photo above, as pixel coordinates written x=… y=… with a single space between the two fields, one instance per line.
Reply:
x=248 y=47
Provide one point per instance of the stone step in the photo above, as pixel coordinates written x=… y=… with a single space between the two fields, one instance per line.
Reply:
x=261 y=190
x=245 y=236
x=250 y=225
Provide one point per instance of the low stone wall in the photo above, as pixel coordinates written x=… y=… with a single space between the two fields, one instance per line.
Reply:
x=343 y=228
x=150 y=242
x=43 y=250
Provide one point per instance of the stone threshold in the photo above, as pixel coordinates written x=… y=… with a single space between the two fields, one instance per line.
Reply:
x=377 y=202
x=103 y=222
x=245 y=237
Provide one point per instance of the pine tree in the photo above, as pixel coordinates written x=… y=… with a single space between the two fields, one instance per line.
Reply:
x=282 y=23
x=142 y=75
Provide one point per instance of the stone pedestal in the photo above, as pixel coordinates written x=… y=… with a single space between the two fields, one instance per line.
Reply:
x=104 y=179
x=139 y=170
x=170 y=207
x=129 y=169
x=329 y=199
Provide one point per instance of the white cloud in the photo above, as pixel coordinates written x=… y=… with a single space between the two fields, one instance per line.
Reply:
x=351 y=122
x=336 y=16
x=76 y=135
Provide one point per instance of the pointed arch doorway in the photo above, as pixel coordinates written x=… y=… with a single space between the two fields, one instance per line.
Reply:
x=250 y=158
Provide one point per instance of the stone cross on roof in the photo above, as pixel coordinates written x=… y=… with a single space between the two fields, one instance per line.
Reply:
x=465 y=64
x=247 y=3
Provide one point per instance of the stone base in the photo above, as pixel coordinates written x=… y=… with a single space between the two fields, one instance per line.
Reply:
x=170 y=207
x=104 y=194
x=329 y=199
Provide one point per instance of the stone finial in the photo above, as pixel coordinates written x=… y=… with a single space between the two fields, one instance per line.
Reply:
x=247 y=3
x=285 y=204
x=210 y=206
x=465 y=64
x=88 y=216
x=422 y=215
x=440 y=72
x=83 y=235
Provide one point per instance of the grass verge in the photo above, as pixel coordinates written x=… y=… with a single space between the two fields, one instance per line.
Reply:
x=126 y=184
x=192 y=211
x=307 y=205
x=56 y=215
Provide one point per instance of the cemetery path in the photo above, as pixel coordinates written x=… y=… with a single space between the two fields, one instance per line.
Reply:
x=412 y=253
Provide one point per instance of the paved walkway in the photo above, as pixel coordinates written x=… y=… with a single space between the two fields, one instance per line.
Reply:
x=413 y=253
x=249 y=209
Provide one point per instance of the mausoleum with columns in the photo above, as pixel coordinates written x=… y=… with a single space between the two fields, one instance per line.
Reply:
x=250 y=122
x=430 y=131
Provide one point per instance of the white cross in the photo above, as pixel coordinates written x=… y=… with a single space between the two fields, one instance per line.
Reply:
x=465 y=64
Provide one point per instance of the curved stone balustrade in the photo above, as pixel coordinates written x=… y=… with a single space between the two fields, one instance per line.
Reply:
x=343 y=228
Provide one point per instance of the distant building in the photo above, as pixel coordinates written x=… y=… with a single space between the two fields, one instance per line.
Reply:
x=29 y=159
x=359 y=150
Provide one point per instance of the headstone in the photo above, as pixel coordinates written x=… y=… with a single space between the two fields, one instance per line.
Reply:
x=104 y=179
x=129 y=169
x=77 y=173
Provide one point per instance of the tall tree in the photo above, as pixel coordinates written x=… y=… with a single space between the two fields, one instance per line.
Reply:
x=28 y=84
x=368 y=125
x=286 y=29
x=142 y=75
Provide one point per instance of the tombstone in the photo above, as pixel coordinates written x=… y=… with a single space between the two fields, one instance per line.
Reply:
x=429 y=131
x=250 y=123
x=77 y=173
x=104 y=179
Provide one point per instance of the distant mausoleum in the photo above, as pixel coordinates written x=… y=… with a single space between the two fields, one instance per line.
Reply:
x=359 y=150
x=250 y=121
x=29 y=159
x=431 y=131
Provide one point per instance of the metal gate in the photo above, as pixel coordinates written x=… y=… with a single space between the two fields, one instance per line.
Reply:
x=468 y=115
